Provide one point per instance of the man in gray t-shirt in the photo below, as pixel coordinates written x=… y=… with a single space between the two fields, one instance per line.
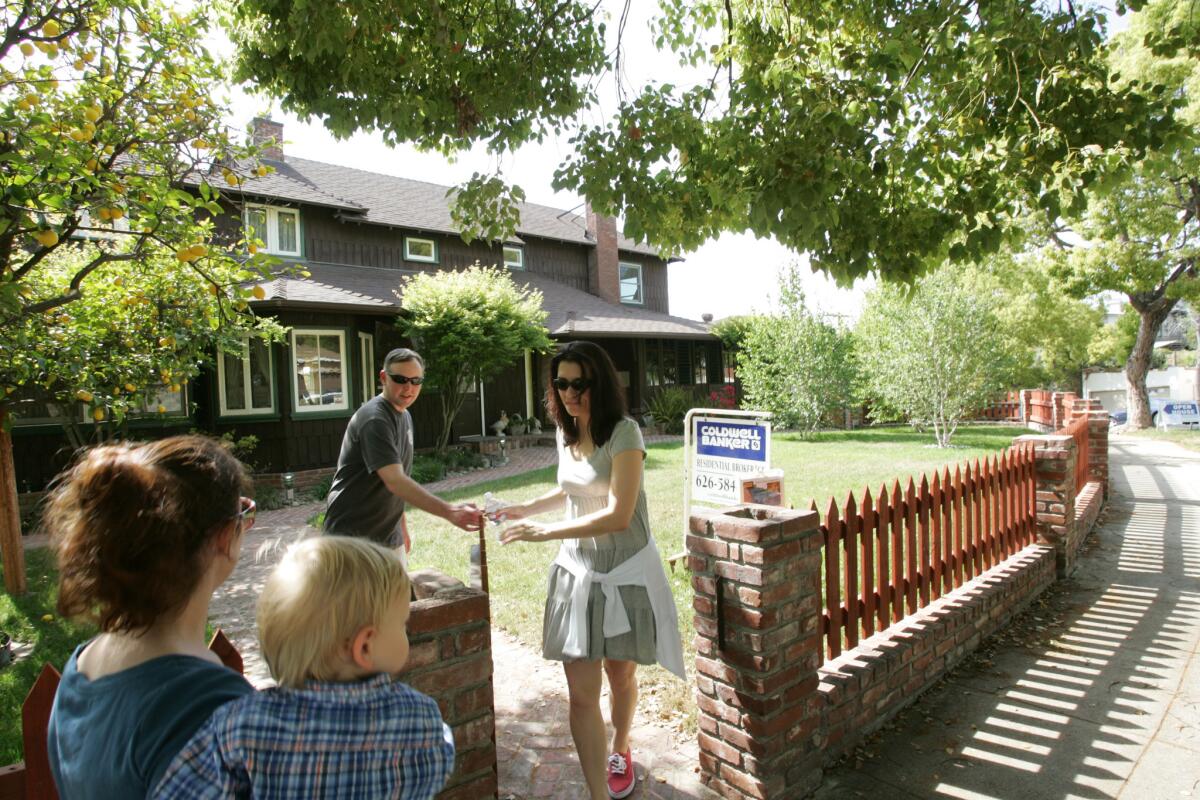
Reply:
x=371 y=485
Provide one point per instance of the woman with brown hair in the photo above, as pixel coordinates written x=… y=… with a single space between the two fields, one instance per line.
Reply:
x=609 y=606
x=144 y=534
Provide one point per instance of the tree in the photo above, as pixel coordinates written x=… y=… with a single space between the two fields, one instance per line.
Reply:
x=1047 y=332
x=934 y=355
x=469 y=326
x=869 y=135
x=794 y=364
x=106 y=108
x=1142 y=225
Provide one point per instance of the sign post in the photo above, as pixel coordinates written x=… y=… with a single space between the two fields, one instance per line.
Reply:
x=721 y=446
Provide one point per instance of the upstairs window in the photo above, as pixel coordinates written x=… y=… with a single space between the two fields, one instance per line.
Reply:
x=420 y=250
x=631 y=283
x=514 y=257
x=277 y=228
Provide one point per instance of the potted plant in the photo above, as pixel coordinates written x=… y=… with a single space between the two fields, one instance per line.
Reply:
x=516 y=425
x=534 y=424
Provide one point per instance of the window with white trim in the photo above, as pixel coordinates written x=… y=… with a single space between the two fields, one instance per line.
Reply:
x=366 y=353
x=171 y=399
x=277 y=228
x=514 y=257
x=244 y=380
x=420 y=250
x=630 y=282
x=319 y=370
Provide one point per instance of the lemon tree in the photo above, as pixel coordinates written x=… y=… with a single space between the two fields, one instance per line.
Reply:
x=112 y=281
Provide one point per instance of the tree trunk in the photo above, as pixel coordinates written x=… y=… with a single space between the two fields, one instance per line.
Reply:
x=11 y=549
x=1194 y=314
x=1150 y=318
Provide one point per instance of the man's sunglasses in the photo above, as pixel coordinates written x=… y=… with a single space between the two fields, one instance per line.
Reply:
x=403 y=379
x=580 y=385
x=248 y=513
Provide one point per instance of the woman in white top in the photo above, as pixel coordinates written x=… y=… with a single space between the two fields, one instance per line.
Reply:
x=608 y=601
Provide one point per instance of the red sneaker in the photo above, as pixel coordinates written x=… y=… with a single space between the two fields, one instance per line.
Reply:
x=621 y=779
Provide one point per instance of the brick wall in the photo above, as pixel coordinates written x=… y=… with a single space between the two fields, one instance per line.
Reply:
x=771 y=714
x=450 y=659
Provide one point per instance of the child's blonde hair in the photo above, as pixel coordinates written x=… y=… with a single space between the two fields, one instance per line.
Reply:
x=324 y=591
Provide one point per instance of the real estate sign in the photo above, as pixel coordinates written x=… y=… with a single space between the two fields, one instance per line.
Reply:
x=726 y=451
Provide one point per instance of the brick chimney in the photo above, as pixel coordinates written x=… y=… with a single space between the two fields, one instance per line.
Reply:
x=268 y=134
x=603 y=277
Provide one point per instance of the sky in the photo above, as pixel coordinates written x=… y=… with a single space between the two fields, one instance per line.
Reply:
x=734 y=274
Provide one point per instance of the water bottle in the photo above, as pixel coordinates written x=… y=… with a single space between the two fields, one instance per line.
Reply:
x=492 y=506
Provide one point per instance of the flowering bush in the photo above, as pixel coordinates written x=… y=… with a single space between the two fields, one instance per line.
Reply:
x=723 y=397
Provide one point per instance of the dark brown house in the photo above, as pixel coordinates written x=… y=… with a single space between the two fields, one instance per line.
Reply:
x=358 y=234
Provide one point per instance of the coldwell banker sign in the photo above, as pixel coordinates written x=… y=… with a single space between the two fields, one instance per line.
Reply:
x=725 y=451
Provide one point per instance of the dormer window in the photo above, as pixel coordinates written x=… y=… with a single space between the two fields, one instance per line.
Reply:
x=277 y=228
x=631 y=283
x=420 y=250
x=514 y=257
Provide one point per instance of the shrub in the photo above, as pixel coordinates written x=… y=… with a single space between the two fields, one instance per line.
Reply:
x=427 y=469
x=670 y=406
x=321 y=490
x=268 y=498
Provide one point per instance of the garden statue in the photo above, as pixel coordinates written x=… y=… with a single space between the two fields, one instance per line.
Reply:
x=499 y=425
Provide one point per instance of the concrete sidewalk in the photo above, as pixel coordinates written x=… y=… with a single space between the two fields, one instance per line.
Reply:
x=1092 y=693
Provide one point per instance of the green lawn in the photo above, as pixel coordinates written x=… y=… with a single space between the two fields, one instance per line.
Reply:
x=53 y=639
x=1184 y=438
x=829 y=465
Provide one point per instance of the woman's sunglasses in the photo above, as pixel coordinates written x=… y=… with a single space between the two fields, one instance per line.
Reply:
x=580 y=385
x=248 y=513
x=403 y=379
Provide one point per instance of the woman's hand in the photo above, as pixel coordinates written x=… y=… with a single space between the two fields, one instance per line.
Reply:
x=524 y=532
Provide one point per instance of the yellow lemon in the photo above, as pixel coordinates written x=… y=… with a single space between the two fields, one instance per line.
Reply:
x=175 y=387
x=129 y=387
x=51 y=29
x=26 y=49
x=83 y=396
x=93 y=113
x=98 y=414
x=259 y=293
x=46 y=237
x=253 y=249
x=166 y=341
x=116 y=213
x=47 y=618
x=162 y=409
x=103 y=213
x=261 y=171
x=92 y=165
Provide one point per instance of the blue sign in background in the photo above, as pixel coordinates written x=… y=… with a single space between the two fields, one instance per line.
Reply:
x=731 y=440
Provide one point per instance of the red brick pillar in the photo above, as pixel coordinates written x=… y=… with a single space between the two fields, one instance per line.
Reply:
x=756 y=573
x=450 y=659
x=1055 y=467
x=1098 y=422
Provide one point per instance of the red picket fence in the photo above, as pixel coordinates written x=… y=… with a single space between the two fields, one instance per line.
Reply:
x=1078 y=430
x=1041 y=407
x=31 y=779
x=889 y=555
x=1006 y=409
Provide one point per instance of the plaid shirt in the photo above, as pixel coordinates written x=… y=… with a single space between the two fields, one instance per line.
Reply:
x=374 y=739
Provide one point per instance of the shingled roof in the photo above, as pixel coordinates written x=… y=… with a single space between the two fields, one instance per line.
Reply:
x=402 y=203
x=570 y=312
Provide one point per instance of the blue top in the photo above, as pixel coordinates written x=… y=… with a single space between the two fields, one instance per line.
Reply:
x=369 y=739
x=114 y=737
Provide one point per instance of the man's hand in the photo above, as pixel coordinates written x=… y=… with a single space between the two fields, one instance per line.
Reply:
x=467 y=516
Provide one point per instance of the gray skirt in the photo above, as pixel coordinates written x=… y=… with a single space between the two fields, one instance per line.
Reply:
x=638 y=645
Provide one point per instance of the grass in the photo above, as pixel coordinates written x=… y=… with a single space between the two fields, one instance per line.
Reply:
x=31 y=619
x=829 y=465
x=1184 y=438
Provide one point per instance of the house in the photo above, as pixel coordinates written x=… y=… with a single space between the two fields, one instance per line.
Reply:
x=358 y=234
